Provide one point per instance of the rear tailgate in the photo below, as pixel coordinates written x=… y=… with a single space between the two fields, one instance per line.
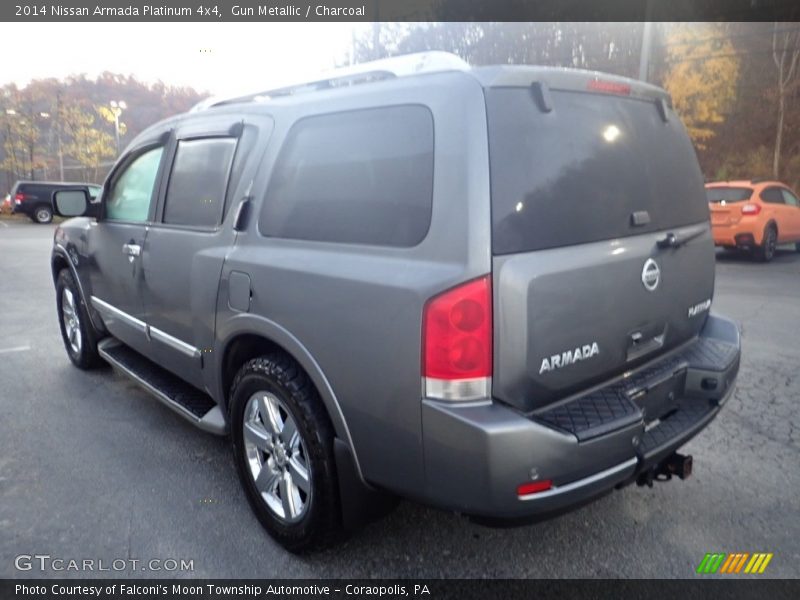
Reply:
x=581 y=196
x=725 y=203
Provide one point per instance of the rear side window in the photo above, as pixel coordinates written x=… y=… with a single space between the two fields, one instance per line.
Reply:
x=198 y=182
x=772 y=196
x=578 y=173
x=728 y=195
x=361 y=177
x=790 y=198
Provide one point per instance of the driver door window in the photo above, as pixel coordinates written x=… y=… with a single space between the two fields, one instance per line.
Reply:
x=132 y=192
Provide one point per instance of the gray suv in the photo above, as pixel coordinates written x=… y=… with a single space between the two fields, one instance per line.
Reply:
x=486 y=289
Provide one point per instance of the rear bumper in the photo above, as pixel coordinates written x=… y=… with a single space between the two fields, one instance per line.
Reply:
x=477 y=455
x=744 y=234
x=20 y=209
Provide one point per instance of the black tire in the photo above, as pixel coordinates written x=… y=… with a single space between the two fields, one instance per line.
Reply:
x=766 y=251
x=83 y=355
x=277 y=375
x=42 y=214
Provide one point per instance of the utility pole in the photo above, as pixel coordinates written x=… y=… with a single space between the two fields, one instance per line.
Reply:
x=59 y=126
x=647 y=41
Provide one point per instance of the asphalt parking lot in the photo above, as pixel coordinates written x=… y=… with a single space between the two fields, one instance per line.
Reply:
x=93 y=468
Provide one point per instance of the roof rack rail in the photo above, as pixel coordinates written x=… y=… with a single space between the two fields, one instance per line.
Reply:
x=377 y=70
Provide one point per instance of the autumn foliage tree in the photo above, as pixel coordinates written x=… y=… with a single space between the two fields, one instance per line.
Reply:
x=51 y=125
x=701 y=76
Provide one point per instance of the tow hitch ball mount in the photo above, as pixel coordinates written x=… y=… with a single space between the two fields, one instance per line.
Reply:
x=675 y=464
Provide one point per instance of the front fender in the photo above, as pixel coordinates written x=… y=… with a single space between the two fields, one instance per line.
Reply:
x=67 y=252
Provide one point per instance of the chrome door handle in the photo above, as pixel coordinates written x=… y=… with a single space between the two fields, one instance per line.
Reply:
x=131 y=250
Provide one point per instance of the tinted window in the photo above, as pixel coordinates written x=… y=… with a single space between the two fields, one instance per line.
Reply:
x=772 y=196
x=578 y=173
x=94 y=190
x=197 y=184
x=132 y=191
x=728 y=194
x=790 y=198
x=363 y=177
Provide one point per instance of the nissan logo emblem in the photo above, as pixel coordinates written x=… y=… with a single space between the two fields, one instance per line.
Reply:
x=651 y=275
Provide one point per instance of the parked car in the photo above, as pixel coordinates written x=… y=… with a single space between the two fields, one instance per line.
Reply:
x=754 y=215
x=505 y=319
x=35 y=198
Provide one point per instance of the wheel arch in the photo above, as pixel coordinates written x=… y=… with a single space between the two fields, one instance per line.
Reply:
x=60 y=260
x=246 y=336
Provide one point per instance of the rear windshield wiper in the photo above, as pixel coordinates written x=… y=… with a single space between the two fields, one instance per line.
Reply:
x=673 y=241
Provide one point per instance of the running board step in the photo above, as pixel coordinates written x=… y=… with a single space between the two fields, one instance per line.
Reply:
x=185 y=399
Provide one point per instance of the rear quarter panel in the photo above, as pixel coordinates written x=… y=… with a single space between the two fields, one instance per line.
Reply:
x=356 y=310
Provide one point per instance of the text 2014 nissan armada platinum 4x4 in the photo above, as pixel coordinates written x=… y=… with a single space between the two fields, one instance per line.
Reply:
x=486 y=289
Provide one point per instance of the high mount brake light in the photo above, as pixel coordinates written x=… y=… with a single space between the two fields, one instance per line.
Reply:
x=609 y=87
x=457 y=342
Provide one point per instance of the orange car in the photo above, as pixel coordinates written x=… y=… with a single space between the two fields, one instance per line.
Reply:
x=754 y=215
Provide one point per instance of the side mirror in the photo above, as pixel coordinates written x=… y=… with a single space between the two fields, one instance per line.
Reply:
x=71 y=203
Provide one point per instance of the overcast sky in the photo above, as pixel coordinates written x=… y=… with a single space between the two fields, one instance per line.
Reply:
x=235 y=57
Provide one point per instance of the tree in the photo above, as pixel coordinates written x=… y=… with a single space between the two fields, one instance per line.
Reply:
x=88 y=145
x=701 y=76
x=785 y=53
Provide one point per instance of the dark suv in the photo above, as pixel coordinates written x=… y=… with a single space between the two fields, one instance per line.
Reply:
x=487 y=289
x=35 y=198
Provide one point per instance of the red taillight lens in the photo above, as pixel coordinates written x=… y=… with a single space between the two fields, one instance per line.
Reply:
x=457 y=342
x=751 y=209
x=534 y=487
x=609 y=87
x=19 y=198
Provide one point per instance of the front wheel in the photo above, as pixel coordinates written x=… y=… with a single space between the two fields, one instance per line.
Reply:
x=77 y=331
x=283 y=447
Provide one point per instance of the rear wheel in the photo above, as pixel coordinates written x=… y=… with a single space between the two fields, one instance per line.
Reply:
x=77 y=332
x=766 y=251
x=43 y=214
x=283 y=447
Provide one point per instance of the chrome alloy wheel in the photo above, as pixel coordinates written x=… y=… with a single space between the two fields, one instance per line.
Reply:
x=277 y=457
x=71 y=320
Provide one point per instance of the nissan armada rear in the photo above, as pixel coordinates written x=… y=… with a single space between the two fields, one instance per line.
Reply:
x=487 y=289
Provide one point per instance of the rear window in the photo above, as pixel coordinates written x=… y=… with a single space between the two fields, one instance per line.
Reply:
x=578 y=173
x=728 y=194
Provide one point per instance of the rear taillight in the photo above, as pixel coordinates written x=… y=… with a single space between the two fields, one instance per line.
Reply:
x=457 y=342
x=609 y=87
x=19 y=198
x=751 y=209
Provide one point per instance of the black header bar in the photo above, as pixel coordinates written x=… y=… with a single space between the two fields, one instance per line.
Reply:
x=397 y=10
